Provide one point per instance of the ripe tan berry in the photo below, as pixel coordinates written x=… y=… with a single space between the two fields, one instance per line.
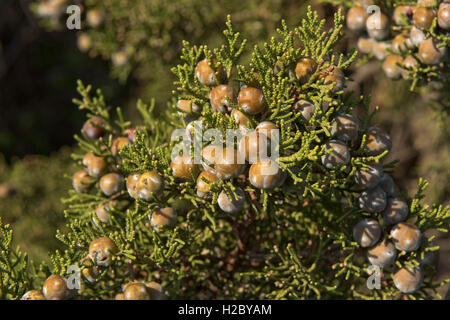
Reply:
x=391 y=67
x=266 y=128
x=81 y=181
x=444 y=16
x=240 y=118
x=383 y=254
x=396 y=211
x=155 y=290
x=408 y=62
x=408 y=280
x=377 y=142
x=306 y=108
x=118 y=144
x=84 y=42
x=339 y=155
x=417 y=36
x=55 y=288
x=377 y=26
x=96 y=166
x=264 y=174
x=345 y=127
x=228 y=164
x=136 y=291
x=402 y=42
x=380 y=50
x=429 y=53
x=373 y=200
x=254 y=145
x=90 y=274
x=251 y=100
x=33 y=295
x=162 y=217
x=220 y=98
x=304 y=69
x=95 y=18
x=111 y=183
x=402 y=14
x=232 y=203
x=334 y=75
x=188 y=106
x=101 y=251
x=102 y=212
x=356 y=19
x=423 y=17
x=94 y=128
x=406 y=236
x=206 y=75
x=119 y=296
x=365 y=45
x=182 y=165
x=209 y=155
x=149 y=183
x=132 y=182
x=367 y=232
x=203 y=186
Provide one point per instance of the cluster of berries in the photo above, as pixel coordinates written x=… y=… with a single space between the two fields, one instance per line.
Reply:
x=406 y=42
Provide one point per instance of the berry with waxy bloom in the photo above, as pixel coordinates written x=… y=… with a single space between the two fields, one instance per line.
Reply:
x=377 y=142
x=396 y=211
x=101 y=251
x=345 y=127
x=387 y=184
x=304 y=69
x=111 y=183
x=55 y=288
x=162 y=217
x=118 y=144
x=306 y=108
x=131 y=183
x=377 y=26
x=103 y=211
x=194 y=128
x=369 y=177
x=423 y=17
x=391 y=66
x=444 y=16
x=188 y=106
x=417 y=36
x=220 y=98
x=367 y=232
x=182 y=165
x=251 y=100
x=339 y=155
x=264 y=174
x=232 y=203
x=430 y=53
x=373 y=200
x=81 y=181
x=94 y=128
x=254 y=145
x=206 y=75
x=135 y=291
x=356 y=19
x=149 y=183
x=96 y=166
x=406 y=236
x=408 y=280
x=33 y=295
x=203 y=187
x=382 y=254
